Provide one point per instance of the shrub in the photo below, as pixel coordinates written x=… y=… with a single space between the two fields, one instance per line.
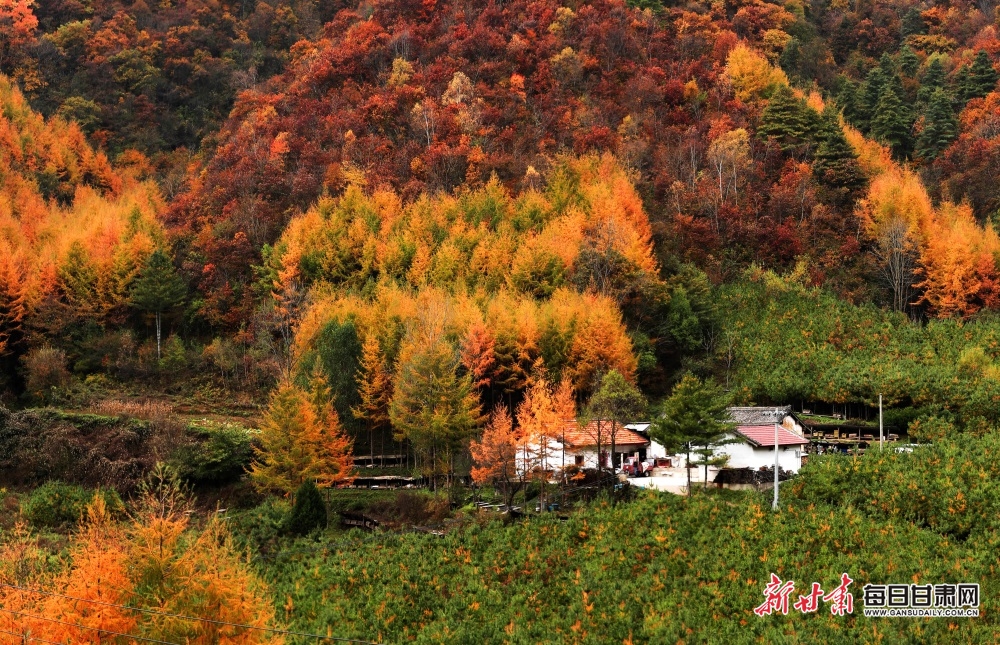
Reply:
x=309 y=512
x=259 y=529
x=927 y=429
x=218 y=454
x=56 y=504
x=174 y=354
x=46 y=372
x=38 y=445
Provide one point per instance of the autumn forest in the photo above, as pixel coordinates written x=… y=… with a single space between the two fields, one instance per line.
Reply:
x=254 y=251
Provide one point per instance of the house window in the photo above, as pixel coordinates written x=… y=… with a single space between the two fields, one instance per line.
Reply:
x=578 y=460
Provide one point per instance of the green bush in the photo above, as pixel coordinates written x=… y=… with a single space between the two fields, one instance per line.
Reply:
x=948 y=486
x=309 y=511
x=259 y=529
x=218 y=454
x=662 y=569
x=56 y=505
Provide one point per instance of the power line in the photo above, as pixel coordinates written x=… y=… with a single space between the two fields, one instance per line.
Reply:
x=30 y=638
x=96 y=629
x=180 y=616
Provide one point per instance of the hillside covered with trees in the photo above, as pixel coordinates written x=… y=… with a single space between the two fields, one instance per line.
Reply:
x=245 y=244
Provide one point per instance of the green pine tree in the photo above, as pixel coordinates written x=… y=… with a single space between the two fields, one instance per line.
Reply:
x=908 y=61
x=835 y=164
x=848 y=98
x=912 y=23
x=618 y=401
x=891 y=124
x=934 y=75
x=694 y=418
x=309 y=511
x=158 y=290
x=982 y=77
x=788 y=120
x=791 y=58
x=868 y=97
x=963 y=90
x=940 y=126
x=886 y=65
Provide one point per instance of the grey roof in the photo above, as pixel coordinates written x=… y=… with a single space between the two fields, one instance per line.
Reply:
x=759 y=416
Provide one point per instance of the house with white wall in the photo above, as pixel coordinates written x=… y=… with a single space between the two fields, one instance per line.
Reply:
x=755 y=449
x=588 y=446
x=754 y=436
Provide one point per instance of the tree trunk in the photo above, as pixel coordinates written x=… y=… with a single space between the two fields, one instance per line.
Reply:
x=158 y=335
x=687 y=467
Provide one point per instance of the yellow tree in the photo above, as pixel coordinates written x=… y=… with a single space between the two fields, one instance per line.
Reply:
x=952 y=263
x=325 y=441
x=179 y=573
x=22 y=565
x=600 y=343
x=478 y=354
x=751 y=75
x=219 y=584
x=12 y=298
x=539 y=424
x=374 y=390
x=301 y=438
x=892 y=214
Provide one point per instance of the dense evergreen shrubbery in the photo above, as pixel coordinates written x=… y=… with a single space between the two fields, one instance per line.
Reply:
x=789 y=342
x=309 y=511
x=56 y=504
x=662 y=569
x=948 y=487
x=219 y=453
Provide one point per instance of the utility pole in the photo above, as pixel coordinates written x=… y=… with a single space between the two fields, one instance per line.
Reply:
x=881 y=433
x=774 y=506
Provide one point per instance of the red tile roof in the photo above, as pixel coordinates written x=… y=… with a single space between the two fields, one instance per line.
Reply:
x=577 y=437
x=763 y=436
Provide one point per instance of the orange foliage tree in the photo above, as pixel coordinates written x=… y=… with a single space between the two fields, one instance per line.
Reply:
x=958 y=263
x=12 y=298
x=940 y=256
x=494 y=455
x=98 y=573
x=185 y=579
x=541 y=417
x=75 y=231
x=301 y=439
x=374 y=389
x=184 y=573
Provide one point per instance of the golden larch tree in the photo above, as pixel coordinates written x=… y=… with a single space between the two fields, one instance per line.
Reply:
x=99 y=577
x=301 y=438
x=374 y=389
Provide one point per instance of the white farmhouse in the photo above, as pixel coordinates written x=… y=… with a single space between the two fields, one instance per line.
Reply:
x=755 y=427
x=589 y=446
x=756 y=450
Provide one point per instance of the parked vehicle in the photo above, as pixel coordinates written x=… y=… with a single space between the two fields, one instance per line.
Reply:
x=633 y=467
